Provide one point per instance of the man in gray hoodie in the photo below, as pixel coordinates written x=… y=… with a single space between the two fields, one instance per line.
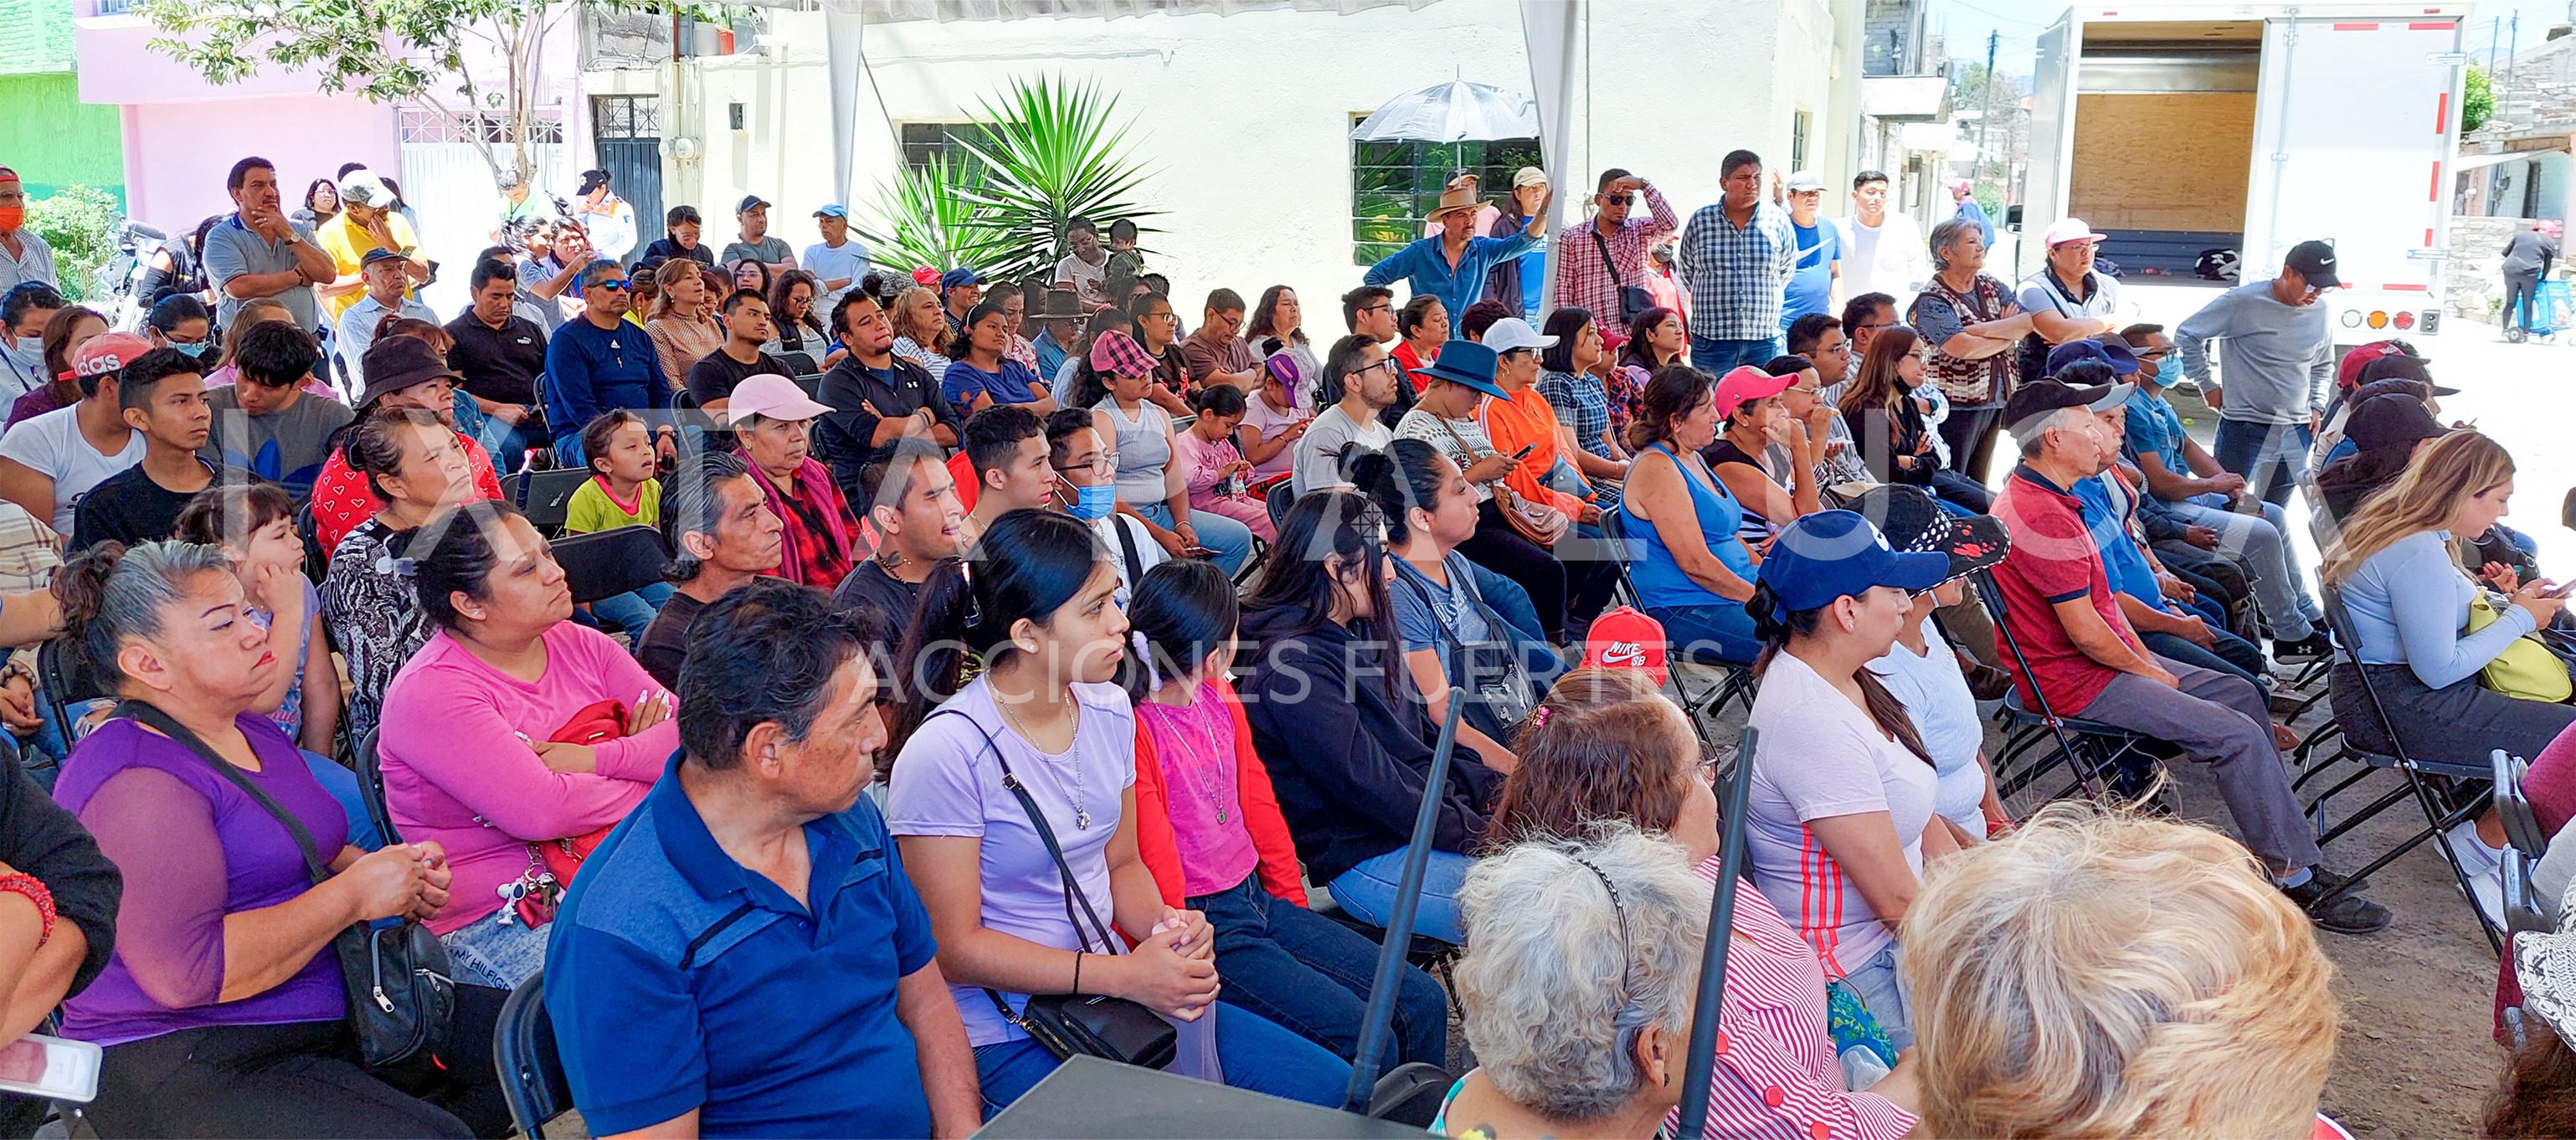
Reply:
x=2280 y=364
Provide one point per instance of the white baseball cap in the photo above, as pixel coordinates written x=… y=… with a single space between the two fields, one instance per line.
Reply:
x=1512 y=332
x=2064 y=230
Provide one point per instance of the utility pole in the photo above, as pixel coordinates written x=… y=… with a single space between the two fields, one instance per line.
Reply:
x=1986 y=119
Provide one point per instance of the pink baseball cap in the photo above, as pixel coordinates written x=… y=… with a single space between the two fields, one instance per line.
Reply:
x=776 y=397
x=2064 y=230
x=1746 y=384
x=106 y=353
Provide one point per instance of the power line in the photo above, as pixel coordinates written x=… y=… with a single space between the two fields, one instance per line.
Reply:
x=1993 y=15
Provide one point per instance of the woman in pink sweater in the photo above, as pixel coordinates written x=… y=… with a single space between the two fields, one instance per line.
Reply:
x=470 y=729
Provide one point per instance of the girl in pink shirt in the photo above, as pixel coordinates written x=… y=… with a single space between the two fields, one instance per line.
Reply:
x=468 y=739
x=1212 y=466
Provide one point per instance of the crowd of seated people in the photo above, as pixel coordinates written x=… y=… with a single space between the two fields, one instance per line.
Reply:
x=993 y=674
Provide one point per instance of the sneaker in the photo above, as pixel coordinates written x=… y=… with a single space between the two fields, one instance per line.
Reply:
x=2486 y=889
x=2333 y=908
x=2476 y=858
x=2313 y=647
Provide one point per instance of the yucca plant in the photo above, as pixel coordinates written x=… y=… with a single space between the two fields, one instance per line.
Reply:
x=931 y=216
x=1055 y=151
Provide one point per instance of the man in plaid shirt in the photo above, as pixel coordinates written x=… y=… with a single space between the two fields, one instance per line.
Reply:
x=1587 y=280
x=1737 y=257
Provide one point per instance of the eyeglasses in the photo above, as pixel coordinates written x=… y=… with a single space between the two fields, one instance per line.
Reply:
x=1386 y=363
x=1378 y=308
x=1099 y=465
x=618 y=284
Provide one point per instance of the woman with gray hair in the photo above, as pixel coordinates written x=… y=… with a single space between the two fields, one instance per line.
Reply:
x=1582 y=961
x=1969 y=325
x=222 y=1010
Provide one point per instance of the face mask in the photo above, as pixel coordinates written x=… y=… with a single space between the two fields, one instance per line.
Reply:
x=1092 y=504
x=12 y=217
x=197 y=351
x=30 y=349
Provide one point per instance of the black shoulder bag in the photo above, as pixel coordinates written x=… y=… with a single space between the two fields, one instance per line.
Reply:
x=1500 y=693
x=1634 y=300
x=1084 y=1025
x=402 y=996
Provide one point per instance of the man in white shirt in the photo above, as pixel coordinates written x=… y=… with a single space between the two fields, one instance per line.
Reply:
x=837 y=260
x=49 y=461
x=1359 y=379
x=382 y=271
x=23 y=255
x=1883 y=251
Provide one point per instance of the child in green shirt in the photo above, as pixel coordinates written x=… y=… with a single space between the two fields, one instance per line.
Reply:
x=621 y=492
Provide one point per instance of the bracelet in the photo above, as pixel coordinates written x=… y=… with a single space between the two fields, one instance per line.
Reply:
x=34 y=890
x=1077 y=955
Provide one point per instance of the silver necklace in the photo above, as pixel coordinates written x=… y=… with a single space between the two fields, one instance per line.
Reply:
x=1206 y=776
x=1073 y=752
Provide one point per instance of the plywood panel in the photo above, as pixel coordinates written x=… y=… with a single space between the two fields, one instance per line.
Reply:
x=2162 y=162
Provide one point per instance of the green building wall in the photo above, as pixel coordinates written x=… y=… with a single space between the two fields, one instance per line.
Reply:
x=47 y=134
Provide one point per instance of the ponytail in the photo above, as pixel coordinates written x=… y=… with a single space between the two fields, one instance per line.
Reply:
x=1028 y=564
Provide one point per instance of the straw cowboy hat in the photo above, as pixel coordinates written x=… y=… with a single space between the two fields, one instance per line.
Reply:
x=1459 y=195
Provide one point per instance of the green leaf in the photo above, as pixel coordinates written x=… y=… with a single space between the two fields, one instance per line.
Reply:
x=926 y=217
x=80 y=224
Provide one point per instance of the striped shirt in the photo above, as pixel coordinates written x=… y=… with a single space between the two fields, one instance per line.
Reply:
x=1776 y=1071
x=1585 y=279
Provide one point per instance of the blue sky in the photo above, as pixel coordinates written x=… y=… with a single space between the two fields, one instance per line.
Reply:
x=1966 y=23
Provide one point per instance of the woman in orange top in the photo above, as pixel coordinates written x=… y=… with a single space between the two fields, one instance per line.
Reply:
x=1524 y=418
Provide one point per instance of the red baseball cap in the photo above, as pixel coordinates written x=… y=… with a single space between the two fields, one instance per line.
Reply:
x=1746 y=384
x=2348 y=371
x=1626 y=639
x=106 y=353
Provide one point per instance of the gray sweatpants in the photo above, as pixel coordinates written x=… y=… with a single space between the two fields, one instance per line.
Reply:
x=2224 y=721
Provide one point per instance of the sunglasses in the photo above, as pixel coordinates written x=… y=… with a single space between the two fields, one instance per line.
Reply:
x=619 y=283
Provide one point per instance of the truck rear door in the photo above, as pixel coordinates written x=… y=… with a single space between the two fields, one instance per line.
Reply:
x=2052 y=136
x=2355 y=129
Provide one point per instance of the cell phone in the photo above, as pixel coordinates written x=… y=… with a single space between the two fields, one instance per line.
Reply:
x=2561 y=590
x=51 y=1067
x=1197 y=552
x=1525 y=450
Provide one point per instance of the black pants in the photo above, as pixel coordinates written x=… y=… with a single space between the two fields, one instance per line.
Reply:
x=1971 y=432
x=298 y=1079
x=1497 y=547
x=2521 y=295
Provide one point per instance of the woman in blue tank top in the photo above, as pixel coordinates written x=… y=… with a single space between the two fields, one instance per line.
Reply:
x=1691 y=571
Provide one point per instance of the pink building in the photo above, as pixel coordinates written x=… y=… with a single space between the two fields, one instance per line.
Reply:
x=182 y=133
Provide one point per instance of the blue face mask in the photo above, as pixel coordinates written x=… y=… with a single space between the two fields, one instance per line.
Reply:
x=197 y=351
x=1092 y=504
x=30 y=349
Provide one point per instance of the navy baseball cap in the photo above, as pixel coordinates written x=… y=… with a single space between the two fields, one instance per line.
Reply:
x=2122 y=361
x=1832 y=554
x=958 y=276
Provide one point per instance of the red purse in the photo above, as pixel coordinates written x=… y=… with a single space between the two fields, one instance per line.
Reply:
x=561 y=859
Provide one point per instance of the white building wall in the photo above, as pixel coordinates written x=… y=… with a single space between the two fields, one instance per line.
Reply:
x=1244 y=119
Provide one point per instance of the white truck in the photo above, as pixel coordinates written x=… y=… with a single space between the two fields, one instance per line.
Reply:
x=2207 y=137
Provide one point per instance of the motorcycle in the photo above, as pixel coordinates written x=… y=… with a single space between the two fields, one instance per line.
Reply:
x=120 y=278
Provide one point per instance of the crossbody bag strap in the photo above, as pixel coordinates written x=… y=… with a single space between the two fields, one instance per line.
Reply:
x=1046 y=835
x=1135 y=578
x=1603 y=244
x=152 y=716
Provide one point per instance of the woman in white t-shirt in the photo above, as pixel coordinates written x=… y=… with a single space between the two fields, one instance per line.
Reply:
x=1923 y=671
x=1840 y=817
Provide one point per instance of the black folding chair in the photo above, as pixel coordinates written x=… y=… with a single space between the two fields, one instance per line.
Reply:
x=604 y=564
x=2094 y=749
x=58 y=682
x=811 y=382
x=531 y=1070
x=1281 y=496
x=371 y=787
x=1735 y=678
x=2418 y=774
x=2524 y=909
x=545 y=496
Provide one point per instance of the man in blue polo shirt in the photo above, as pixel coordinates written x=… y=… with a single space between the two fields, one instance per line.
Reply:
x=744 y=956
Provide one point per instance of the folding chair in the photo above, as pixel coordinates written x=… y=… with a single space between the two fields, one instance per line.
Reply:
x=2417 y=772
x=2092 y=748
x=1735 y=681
x=2513 y=805
x=545 y=496
x=604 y=564
x=58 y=682
x=1278 y=499
x=523 y=1052
x=811 y=382
x=371 y=788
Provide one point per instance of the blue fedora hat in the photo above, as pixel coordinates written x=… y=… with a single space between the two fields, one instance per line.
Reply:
x=1469 y=363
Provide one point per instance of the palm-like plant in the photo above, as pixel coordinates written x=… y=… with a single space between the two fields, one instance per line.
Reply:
x=931 y=216
x=1054 y=151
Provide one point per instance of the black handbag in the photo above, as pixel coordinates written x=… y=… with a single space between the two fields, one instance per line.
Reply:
x=402 y=996
x=1634 y=300
x=1079 y=1025
x=1500 y=692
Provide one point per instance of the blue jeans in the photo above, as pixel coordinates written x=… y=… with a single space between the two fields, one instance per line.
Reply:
x=634 y=609
x=2271 y=564
x=1955 y=489
x=1367 y=892
x=1231 y=540
x=1716 y=357
x=497 y=950
x=1257 y=1055
x=1311 y=975
x=342 y=783
x=1883 y=991
x=1722 y=630
x=2271 y=457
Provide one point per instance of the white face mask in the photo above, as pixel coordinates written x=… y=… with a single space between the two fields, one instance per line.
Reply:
x=29 y=350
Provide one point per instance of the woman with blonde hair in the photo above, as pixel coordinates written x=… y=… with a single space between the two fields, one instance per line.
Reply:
x=682 y=334
x=2102 y=975
x=921 y=332
x=2415 y=615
